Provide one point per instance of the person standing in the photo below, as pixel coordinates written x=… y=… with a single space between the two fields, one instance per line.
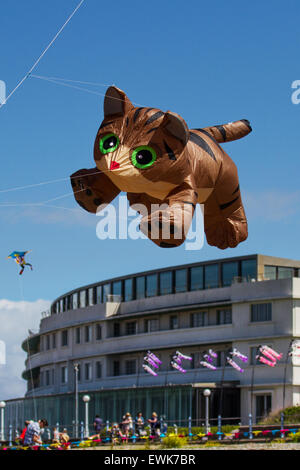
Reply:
x=139 y=424
x=98 y=425
x=33 y=432
x=154 y=424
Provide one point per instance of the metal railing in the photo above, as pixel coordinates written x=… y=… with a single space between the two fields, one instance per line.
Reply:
x=192 y=429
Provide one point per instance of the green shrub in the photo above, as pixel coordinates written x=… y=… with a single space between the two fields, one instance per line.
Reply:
x=295 y=437
x=173 y=442
x=291 y=416
x=227 y=428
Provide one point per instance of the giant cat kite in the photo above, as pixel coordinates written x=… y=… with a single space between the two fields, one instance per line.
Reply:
x=155 y=159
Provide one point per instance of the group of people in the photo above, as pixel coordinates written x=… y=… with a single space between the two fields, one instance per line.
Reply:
x=125 y=429
x=32 y=434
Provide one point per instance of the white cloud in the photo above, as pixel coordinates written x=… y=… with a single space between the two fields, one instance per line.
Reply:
x=48 y=215
x=271 y=205
x=16 y=318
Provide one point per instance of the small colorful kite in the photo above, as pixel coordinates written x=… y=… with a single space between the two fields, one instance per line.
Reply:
x=152 y=360
x=269 y=353
x=19 y=257
x=238 y=354
x=208 y=358
x=177 y=360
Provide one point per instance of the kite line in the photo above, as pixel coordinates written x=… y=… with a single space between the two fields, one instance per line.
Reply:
x=42 y=54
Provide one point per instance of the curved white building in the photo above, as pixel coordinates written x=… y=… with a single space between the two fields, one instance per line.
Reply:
x=107 y=327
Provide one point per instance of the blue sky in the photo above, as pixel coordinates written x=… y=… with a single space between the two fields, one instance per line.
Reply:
x=210 y=62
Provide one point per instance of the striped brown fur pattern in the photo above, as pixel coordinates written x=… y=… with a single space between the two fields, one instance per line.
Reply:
x=229 y=132
x=154 y=157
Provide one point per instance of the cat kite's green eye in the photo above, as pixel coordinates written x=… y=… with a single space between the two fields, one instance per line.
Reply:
x=143 y=157
x=108 y=143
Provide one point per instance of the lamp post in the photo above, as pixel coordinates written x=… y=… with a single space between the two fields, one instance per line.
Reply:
x=86 y=399
x=76 y=369
x=2 y=406
x=207 y=394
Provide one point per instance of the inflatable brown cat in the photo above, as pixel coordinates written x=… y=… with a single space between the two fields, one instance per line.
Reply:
x=158 y=161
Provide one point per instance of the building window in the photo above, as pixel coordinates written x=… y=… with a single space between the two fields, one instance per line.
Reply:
x=88 y=371
x=198 y=319
x=173 y=322
x=193 y=361
x=224 y=316
x=211 y=276
x=106 y=291
x=99 y=294
x=117 y=329
x=197 y=278
x=128 y=293
x=47 y=342
x=53 y=340
x=284 y=273
x=47 y=378
x=166 y=283
x=229 y=272
x=64 y=338
x=253 y=353
x=117 y=288
x=98 y=370
x=151 y=325
x=75 y=300
x=130 y=367
x=130 y=328
x=116 y=368
x=98 y=332
x=88 y=333
x=77 y=335
x=181 y=280
x=261 y=312
x=62 y=305
x=263 y=406
x=249 y=269
x=140 y=287
x=79 y=373
x=221 y=359
x=82 y=297
x=270 y=272
x=64 y=375
x=91 y=296
x=151 y=285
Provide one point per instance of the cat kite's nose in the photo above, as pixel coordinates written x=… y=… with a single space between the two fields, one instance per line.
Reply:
x=114 y=165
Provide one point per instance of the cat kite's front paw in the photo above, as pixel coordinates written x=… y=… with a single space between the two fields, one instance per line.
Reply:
x=83 y=191
x=163 y=230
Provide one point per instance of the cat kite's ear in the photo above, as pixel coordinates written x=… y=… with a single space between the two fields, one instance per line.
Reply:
x=176 y=126
x=116 y=102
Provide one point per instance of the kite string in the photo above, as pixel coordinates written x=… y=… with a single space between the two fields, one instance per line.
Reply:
x=11 y=204
x=42 y=54
x=18 y=188
x=59 y=81
x=43 y=77
x=73 y=86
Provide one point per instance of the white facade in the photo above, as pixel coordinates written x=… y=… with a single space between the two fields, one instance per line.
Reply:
x=96 y=356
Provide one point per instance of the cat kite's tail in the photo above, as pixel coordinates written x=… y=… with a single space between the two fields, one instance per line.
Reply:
x=231 y=131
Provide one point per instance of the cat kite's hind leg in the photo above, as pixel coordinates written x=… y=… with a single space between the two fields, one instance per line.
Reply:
x=225 y=222
x=92 y=188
